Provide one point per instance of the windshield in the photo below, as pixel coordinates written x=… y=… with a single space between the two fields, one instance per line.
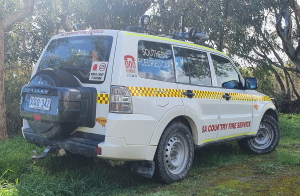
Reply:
x=86 y=57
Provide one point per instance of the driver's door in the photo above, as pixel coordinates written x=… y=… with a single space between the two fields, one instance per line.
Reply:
x=236 y=105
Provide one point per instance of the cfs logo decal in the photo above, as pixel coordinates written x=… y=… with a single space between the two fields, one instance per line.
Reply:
x=130 y=66
x=102 y=121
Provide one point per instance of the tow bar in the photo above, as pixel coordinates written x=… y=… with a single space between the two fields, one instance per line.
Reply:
x=43 y=154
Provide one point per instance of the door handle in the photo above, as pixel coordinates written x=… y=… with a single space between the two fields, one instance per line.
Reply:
x=189 y=94
x=226 y=96
x=160 y=91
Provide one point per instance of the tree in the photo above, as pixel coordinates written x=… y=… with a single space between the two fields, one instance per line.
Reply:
x=287 y=33
x=5 y=23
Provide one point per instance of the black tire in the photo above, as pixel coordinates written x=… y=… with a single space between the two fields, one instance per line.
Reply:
x=60 y=78
x=175 y=153
x=50 y=130
x=267 y=137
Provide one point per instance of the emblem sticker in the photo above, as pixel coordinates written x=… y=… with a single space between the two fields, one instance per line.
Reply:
x=98 y=71
x=102 y=121
x=130 y=65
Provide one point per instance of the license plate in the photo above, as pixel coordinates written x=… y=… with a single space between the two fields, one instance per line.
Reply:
x=40 y=103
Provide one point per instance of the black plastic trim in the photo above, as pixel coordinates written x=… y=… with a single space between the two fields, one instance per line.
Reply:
x=91 y=136
x=74 y=144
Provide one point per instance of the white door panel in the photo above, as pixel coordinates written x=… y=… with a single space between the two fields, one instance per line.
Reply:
x=235 y=114
x=236 y=105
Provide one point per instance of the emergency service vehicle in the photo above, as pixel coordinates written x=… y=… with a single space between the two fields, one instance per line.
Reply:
x=147 y=99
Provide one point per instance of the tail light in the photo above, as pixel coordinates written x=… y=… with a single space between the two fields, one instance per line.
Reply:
x=120 y=100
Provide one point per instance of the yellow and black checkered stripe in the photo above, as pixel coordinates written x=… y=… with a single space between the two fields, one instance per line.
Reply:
x=164 y=92
x=152 y=92
x=203 y=94
x=261 y=98
x=102 y=98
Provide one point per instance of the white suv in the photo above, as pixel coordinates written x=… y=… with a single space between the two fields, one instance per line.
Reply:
x=147 y=99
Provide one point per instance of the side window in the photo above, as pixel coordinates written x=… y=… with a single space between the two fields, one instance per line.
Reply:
x=199 y=68
x=181 y=64
x=155 y=61
x=192 y=67
x=227 y=76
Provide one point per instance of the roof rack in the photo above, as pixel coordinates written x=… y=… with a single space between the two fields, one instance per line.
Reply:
x=192 y=35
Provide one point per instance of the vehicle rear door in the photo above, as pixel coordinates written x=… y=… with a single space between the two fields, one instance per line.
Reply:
x=201 y=101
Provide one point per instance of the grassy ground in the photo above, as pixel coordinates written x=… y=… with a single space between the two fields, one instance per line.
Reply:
x=218 y=170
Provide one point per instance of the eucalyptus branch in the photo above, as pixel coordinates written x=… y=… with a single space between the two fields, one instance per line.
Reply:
x=293 y=85
x=274 y=63
x=15 y=17
x=271 y=68
x=272 y=48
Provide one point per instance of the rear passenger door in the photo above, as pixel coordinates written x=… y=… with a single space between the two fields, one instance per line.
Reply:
x=193 y=76
x=236 y=105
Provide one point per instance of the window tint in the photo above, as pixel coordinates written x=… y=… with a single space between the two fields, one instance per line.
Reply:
x=181 y=64
x=77 y=55
x=192 y=67
x=227 y=76
x=155 y=61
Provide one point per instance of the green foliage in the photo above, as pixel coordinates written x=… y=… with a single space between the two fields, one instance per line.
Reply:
x=286 y=157
x=14 y=80
x=8 y=6
x=289 y=126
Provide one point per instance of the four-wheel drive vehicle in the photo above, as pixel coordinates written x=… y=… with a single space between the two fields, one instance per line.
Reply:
x=147 y=99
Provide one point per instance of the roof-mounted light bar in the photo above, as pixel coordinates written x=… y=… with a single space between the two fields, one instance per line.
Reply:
x=192 y=35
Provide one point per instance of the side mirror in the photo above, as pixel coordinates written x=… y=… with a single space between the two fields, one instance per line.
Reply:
x=250 y=83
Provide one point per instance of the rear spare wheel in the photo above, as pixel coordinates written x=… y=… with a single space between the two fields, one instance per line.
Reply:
x=55 y=104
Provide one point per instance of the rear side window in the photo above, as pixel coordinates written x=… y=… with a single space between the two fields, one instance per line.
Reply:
x=192 y=67
x=227 y=76
x=155 y=61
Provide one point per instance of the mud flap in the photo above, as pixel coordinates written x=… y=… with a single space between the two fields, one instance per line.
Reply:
x=143 y=168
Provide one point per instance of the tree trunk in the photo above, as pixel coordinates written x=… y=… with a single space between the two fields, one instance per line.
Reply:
x=3 y=131
x=288 y=88
x=5 y=23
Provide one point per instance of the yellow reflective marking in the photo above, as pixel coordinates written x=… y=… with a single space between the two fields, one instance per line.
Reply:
x=172 y=40
x=102 y=98
x=210 y=140
x=221 y=138
x=163 y=92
